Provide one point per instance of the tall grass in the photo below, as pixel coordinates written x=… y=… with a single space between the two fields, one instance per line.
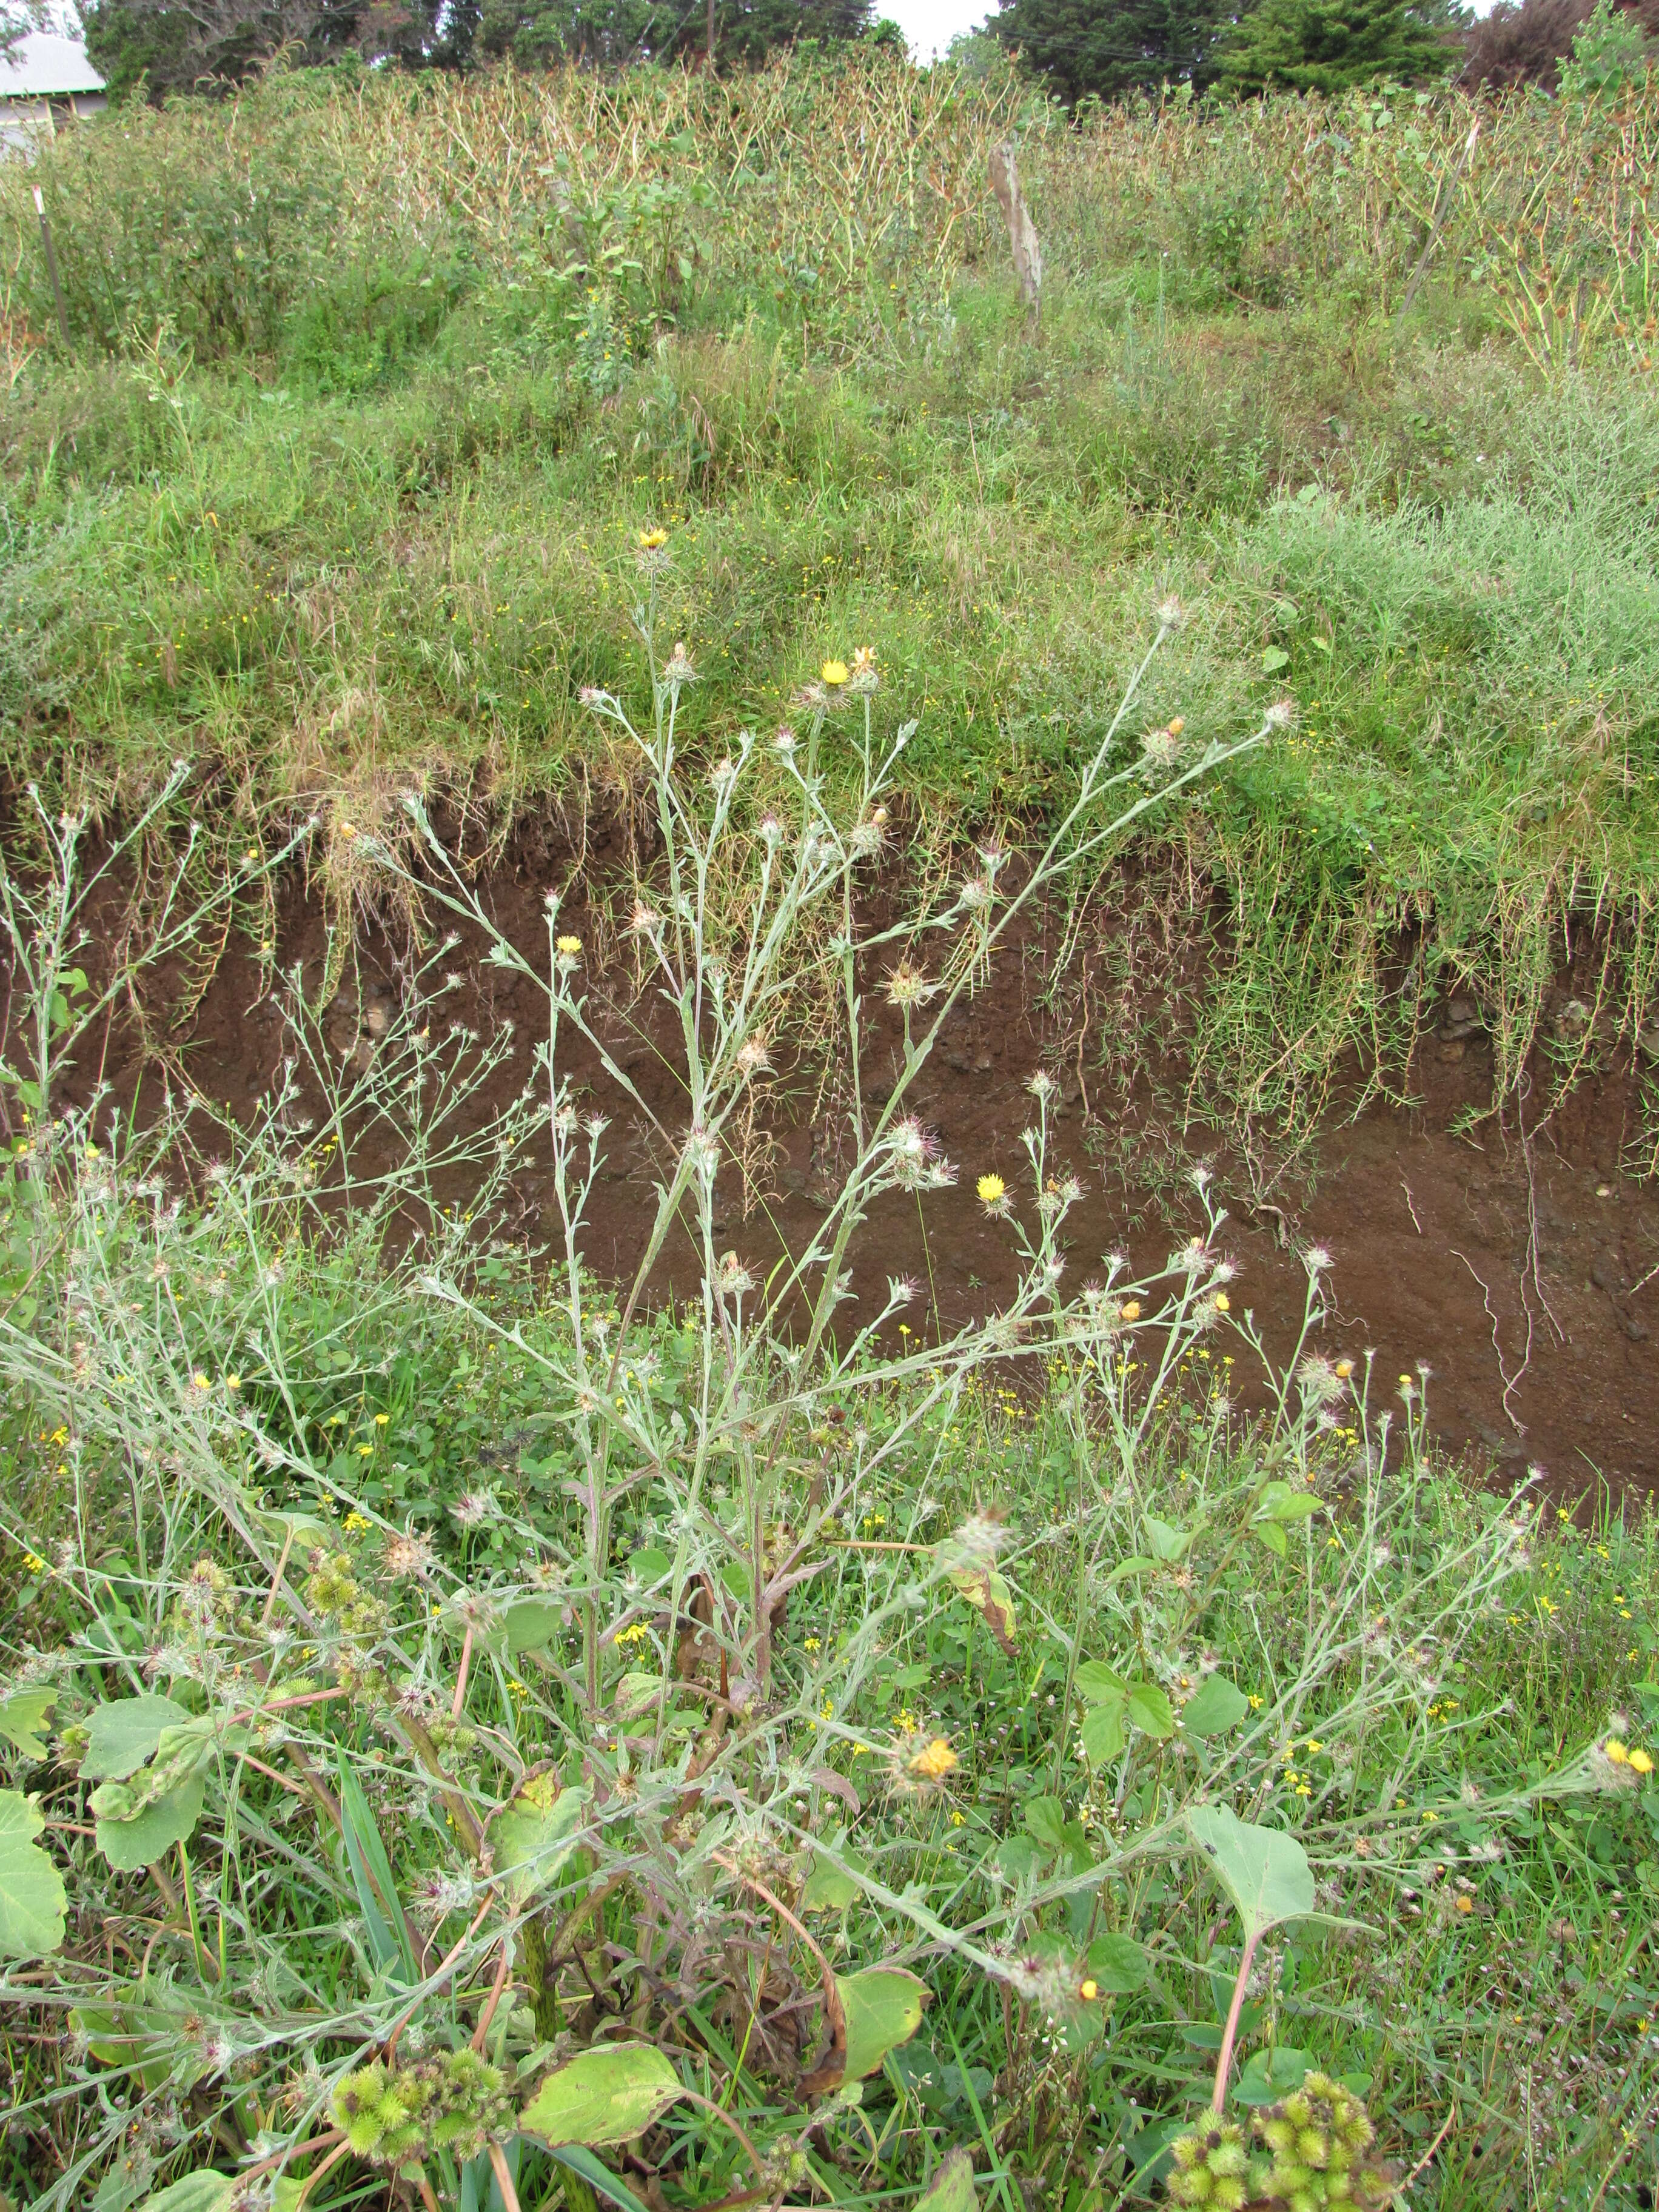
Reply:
x=334 y=484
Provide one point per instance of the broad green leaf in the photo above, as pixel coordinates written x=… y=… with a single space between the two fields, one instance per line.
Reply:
x=1264 y=1871
x=1125 y=1568
x=1271 y=1535
x=636 y=1694
x=1166 y=1542
x=952 y=2188
x=1046 y=1818
x=1273 y=660
x=534 y=1837
x=1117 y=1963
x=603 y=2096
x=31 y=1888
x=24 y=1715
x=150 y=1833
x=829 y=1889
x=882 y=2006
x=1270 y=2074
x=533 y=1624
x=1098 y=1682
x=1149 y=1708
x=1214 y=1707
x=650 y=1564
x=197 y=2192
x=1104 y=1734
x=123 y=1736
x=1279 y=1502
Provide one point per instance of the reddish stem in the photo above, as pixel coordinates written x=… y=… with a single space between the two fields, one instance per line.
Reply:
x=1230 y=2033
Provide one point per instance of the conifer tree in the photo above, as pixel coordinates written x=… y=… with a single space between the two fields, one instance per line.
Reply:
x=1326 y=46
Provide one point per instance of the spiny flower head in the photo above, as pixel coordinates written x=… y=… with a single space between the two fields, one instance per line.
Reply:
x=1211 y=2167
x=1320 y=2139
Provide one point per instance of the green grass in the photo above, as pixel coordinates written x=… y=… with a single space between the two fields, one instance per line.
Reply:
x=1489 y=1958
x=382 y=535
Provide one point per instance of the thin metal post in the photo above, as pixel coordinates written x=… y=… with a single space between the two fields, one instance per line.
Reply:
x=52 y=266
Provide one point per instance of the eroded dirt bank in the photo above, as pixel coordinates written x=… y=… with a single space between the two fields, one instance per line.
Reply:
x=1525 y=1272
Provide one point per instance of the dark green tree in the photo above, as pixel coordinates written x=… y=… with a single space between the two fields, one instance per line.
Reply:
x=1326 y=46
x=173 y=45
x=609 y=33
x=1109 y=47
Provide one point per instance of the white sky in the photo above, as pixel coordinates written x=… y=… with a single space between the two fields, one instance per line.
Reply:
x=930 y=25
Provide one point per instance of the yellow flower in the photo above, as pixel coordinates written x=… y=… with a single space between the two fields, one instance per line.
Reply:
x=991 y=1189
x=1465 y=1905
x=233 y=1381
x=1641 y=1762
x=833 y=673
x=568 y=945
x=1344 y=1368
x=1089 y=1991
x=1129 y=1310
x=199 y=1381
x=380 y=1419
x=356 y=1522
x=651 y=539
x=935 y=1761
x=1616 y=1752
x=1223 y=1302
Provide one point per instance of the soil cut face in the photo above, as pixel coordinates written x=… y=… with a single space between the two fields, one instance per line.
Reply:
x=1523 y=1271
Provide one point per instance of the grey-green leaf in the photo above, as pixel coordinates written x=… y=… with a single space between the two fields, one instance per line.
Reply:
x=197 y=2192
x=883 y=2007
x=1264 y=1871
x=24 y=1715
x=603 y=2096
x=31 y=1888
x=952 y=2188
x=534 y=1837
x=121 y=1737
x=1214 y=1707
x=166 y=1820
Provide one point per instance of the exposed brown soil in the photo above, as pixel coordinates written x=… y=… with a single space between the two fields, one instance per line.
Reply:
x=1526 y=1273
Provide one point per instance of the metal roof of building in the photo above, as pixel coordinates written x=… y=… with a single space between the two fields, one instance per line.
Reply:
x=45 y=64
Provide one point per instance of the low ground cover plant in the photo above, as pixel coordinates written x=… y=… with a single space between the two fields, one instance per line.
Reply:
x=479 y=1736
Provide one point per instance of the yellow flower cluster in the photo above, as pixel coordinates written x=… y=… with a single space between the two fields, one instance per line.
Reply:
x=1620 y=1754
x=935 y=1761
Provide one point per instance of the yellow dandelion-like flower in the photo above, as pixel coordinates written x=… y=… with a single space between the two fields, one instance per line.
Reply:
x=991 y=1189
x=1344 y=1368
x=1223 y=1302
x=934 y=1760
x=569 y=946
x=652 y=541
x=833 y=673
x=1617 y=1753
x=1129 y=1310
x=199 y=1381
x=1641 y=1762
x=1089 y=1991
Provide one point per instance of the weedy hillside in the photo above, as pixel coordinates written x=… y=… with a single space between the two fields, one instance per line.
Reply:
x=489 y=1727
